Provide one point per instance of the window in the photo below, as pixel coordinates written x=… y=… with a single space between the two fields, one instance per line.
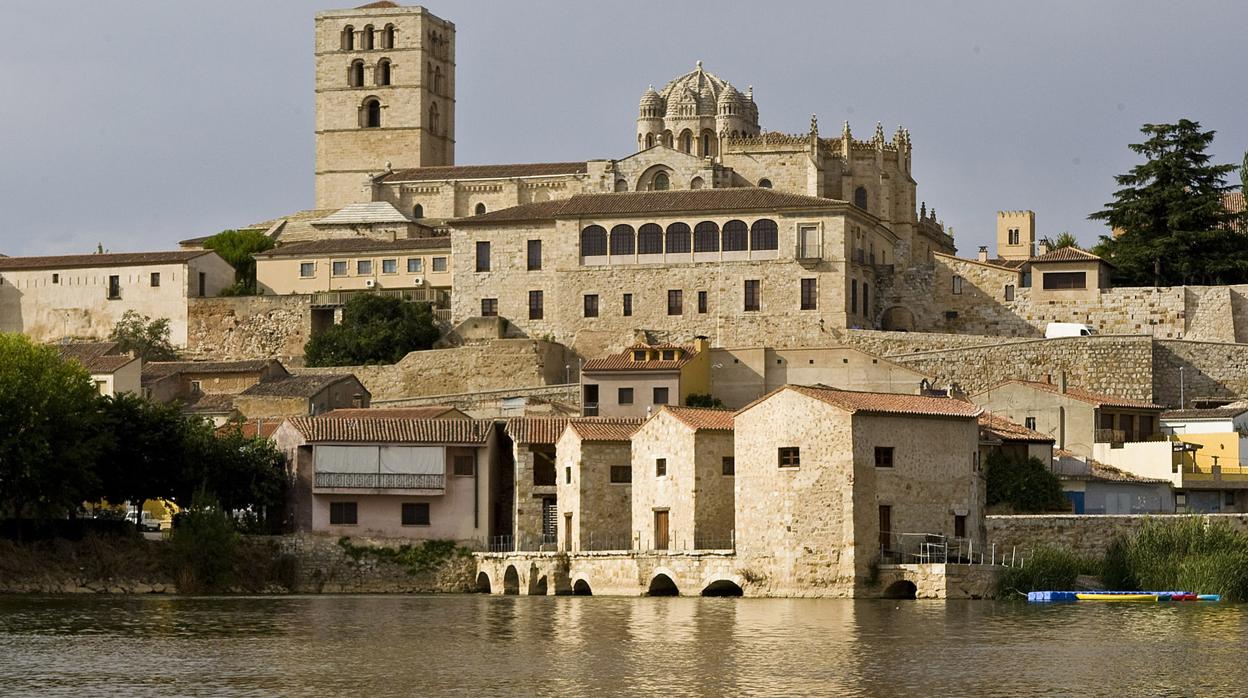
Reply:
x=660 y=396
x=957 y=284
x=355 y=74
x=706 y=237
x=624 y=396
x=621 y=474
x=464 y=464
x=660 y=467
x=415 y=265
x=764 y=183
x=348 y=38
x=594 y=241
x=621 y=185
x=483 y=255
x=342 y=514
x=702 y=302
x=1013 y=236
x=697 y=182
x=675 y=301
x=387 y=36
x=372 y=113
x=686 y=142
x=339 y=268
x=764 y=235
x=860 y=198
x=622 y=240
x=382 y=75
x=489 y=307
x=1228 y=498
x=534 y=256
x=628 y=304
x=639 y=355
x=418 y=211
x=155 y=279
x=789 y=456
x=56 y=278
x=678 y=239
x=1146 y=426
x=307 y=270
x=439 y=263
x=415 y=514
x=853 y=296
x=752 y=302
x=959 y=526
x=536 y=305
x=114 y=288
x=668 y=355
x=197 y=386
x=567 y=478
x=866 y=298
x=479 y=210
x=661 y=182
x=883 y=456
x=1009 y=292
x=591 y=305
x=810 y=294
x=736 y=236
x=203 y=284
x=650 y=239
x=363 y=266
x=389 y=266
x=366 y=38
x=1065 y=280
x=1030 y=423
x=729 y=465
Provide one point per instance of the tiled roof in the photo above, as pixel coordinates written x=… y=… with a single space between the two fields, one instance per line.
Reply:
x=251 y=428
x=1002 y=428
x=422 y=412
x=114 y=259
x=1233 y=202
x=364 y=214
x=536 y=430
x=854 y=401
x=1007 y=263
x=655 y=202
x=379 y=5
x=1098 y=471
x=1224 y=412
x=1066 y=254
x=160 y=369
x=610 y=429
x=624 y=360
x=536 y=169
x=1098 y=399
x=304 y=385
x=699 y=418
x=208 y=403
x=428 y=431
x=96 y=357
x=353 y=245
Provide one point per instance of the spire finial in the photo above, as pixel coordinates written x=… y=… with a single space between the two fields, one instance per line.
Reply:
x=699 y=65
x=814 y=124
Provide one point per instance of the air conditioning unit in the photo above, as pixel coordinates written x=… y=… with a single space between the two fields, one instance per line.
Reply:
x=418 y=281
x=370 y=283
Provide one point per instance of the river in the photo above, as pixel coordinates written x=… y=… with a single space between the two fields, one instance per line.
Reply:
x=495 y=645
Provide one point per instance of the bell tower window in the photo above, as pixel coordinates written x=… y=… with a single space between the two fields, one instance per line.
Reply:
x=366 y=38
x=355 y=74
x=433 y=119
x=370 y=113
x=387 y=36
x=348 y=38
x=383 y=72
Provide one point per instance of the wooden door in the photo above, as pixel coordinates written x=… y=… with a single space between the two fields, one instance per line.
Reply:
x=567 y=533
x=886 y=527
x=660 y=530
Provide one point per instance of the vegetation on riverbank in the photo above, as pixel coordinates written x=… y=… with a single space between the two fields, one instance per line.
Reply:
x=416 y=558
x=1044 y=568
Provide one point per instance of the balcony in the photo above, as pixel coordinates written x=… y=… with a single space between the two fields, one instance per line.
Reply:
x=1120 y=436
x=381 y=481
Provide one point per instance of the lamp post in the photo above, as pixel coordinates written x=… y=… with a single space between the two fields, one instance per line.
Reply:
x=1182 y=400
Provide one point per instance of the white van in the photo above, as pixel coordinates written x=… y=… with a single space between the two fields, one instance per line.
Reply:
x=1067 y=329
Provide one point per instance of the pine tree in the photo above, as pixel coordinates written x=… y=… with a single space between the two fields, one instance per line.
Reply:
x=1170 y=225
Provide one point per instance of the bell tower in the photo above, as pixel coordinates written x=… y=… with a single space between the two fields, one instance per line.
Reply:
x=385 y=93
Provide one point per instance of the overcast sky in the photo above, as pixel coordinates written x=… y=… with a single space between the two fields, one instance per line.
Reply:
x=137 y=124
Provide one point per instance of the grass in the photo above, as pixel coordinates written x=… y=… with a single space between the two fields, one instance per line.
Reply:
x=1187 y=554
x=1046 y=568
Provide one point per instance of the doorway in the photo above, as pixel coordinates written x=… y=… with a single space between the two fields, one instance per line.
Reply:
x=660 y=529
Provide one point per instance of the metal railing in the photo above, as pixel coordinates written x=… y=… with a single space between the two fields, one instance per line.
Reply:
x=1120 y=436
x=589 y=409
x=716 y=542
x=501 y=544
x=382 y=481
x=935 y=548
x=438 y=297
x=607 y=541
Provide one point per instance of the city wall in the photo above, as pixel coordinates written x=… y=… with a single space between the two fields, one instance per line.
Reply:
x=248 y=327
x=1088 y=536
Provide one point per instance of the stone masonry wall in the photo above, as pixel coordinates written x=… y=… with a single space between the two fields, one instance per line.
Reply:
x=1084 y=535
x=248 y=327
x=1210 y=370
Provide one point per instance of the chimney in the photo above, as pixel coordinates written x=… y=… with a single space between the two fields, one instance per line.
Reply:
x=1061 y=382
x=701 y=343
x=983 y=253
x=1042 y=248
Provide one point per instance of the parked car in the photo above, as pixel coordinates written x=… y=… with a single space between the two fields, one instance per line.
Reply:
x=1067 y=329
x=147 y=523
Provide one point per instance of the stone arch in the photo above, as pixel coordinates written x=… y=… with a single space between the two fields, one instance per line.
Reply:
x=370 y=113
x=709 y=141
x=901 y=589
x=647 y=180
x=355 y=73
x=511 y=581
x=764 y=183
x=348 y=38
x=387 y=36
x=722 y=587
x=418 y=211
x=479 y=209
x=540 y=587
x=686 y=141
x=621 y=185
x=897 y=319
x=581 y=587
x=366 y=37
x=649 y=140
x=662 y=585
x=860 y=198
x=483 y=583
x=667 y=138
x=381 y=74
x=696 y=183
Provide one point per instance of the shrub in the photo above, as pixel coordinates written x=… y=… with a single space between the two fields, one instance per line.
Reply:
x=1023 y=484
x=1045 y=569
x=1184 y=554
x=203 y=549
x=702 y=400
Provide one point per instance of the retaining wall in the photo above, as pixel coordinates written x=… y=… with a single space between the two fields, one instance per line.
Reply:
x=1085 y=535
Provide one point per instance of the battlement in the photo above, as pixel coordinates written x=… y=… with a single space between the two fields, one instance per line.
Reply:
x=1016 y=214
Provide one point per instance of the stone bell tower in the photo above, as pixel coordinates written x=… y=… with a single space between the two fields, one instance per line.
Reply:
x=385 y=93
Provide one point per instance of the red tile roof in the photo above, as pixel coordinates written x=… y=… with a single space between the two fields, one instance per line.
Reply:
x=421 y=412
x=1097 y=399
x=251 y=428
x=1066 y=254
x=1233 y=409
x=999 y=427
x=428 y=431
x=81 y=261
x=307 y=385
x=160 y=369
x=700 y=418
x=605 y=429
x=624 y=360
x=96 y=357
x=536 y=430
x=535 y=169
x=855 y=402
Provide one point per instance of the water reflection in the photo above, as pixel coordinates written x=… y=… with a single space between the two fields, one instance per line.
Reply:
x=490 y=645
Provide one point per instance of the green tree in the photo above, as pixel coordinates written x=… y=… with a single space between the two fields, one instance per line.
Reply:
x=147 y=338
x=1023 y=484
x=247 y=476
x=1169 y=211
x=702 y=400
x=374 y=330
x=1065 y=239
x=147 y=450
x=50 y=435
x=239 y=247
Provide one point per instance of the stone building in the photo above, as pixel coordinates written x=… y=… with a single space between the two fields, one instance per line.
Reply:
x=303 y=395
x=166 y=381
x=112 y=371
x=741 y=375
x=644 y=377
x=999 y=435
x=593 y=462
x=830 y=483
x=359 y=264
x=535 y=511
x=83 y=296
x=683 y=480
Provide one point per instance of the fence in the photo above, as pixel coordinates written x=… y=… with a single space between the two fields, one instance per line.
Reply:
x=380 y=481
x=935 y=548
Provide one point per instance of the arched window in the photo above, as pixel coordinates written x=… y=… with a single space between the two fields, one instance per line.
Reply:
x=649 y=140
x=622 y=240
x=594 y=241
x=736 y=236
x=650 y=239
x=433 y=119
x=387 y=36
x=661 y=182
x=480 y=209
x=355 y=74
x=678 y=238
x=348 y=38
x=696 y=183
x=366 y=38
x=437 y=80
x=764 y=183
x=706 y=144
x=866 y=299
x=383 y=72
x=860 y=198
x=372 y=113
x=621 y=185
x=667 y=138
x=418 y=211
x=686 y=142
x=706 y=237
x=764 y=234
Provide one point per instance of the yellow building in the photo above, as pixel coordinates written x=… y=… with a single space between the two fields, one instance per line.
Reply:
x=645 y=377
x=358 y=264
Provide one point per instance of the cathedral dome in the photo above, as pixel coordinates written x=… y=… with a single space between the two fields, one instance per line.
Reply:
x=652 y=106
x=730 y=96
x=705 y=89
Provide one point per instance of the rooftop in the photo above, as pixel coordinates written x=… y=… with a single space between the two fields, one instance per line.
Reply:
x=161 y=369
x=209 y=403
x=366 y=213
x=1232 y=410
x=427 y=431
x=1099 y=472
x=422 y=412
x=251 y=428
x=1066 y=254
x=613 y=429
x=96 y=357
x=1097 y=399
x=356 y=245
x=109 y=259
x=536 y=169
x=624 y=361
x=701 y=418
x=855 y=402
x=999 y=427
x=304 y=385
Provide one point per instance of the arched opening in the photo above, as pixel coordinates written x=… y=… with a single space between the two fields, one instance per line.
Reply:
x=480 y=209
x=708 y=143
x=706 y=237
x=371 y=113
x=418 y=211
x=897 y=319
x=594 y=241
x=722 y=587
x=387 y=36
x=355 y=74
x=661 y=182
x=903 y=589
x=437 y=80
x=662 y=585
x=860 y=198
x=483 y=583
x=540 y=587
x=764 y=183
x=622 y=240
x=736 y=236
x=764 y=235
x=696 y=183
x=511 y=580
x=581 y=588
x=366 y=38
x=667 y=138
x=650 y=239
x=686 y=142
x=348 y=38
x=433 y=119
x=678 y=238
x=649 y=140
x=621 y=185
x=382 y=75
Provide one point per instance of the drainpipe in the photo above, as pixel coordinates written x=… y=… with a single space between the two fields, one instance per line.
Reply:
x=1061 y=426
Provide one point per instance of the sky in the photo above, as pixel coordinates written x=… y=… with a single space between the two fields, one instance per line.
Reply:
x=138 y=124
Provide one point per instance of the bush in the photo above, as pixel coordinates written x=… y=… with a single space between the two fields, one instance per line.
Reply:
x=1025 y=485
x=203 y=549
x=1185 y=554
x=1046 y=569
x=374 y=330
x=702 y=400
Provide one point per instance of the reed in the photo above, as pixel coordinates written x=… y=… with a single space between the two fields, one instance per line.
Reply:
x=1045 y=568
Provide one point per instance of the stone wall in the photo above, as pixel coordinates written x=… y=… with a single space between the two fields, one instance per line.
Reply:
x=1210 y=370
x=325 y=567
x=248 y=327
x=549 y=400
x=1084 y=535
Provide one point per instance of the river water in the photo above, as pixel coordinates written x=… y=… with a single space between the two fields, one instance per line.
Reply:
x=494 y=645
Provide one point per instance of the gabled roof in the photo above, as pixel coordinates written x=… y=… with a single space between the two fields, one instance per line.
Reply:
x=304 y=385
x=1066 y=254
x=356 y=245
x=96 y=357
x=425 y=431
x=624 y=360
x=209 y=403
x=610 y=429
x=112 y=259
x=251 y=428
x=536 y=430
x=992 y=425
x=1230 y=411
x=732 y=200
x=701 y=418
x=366 y=213
x=160 y=369
x=1096 y=399
x=441 y=173
x=422 y=412
x=855 y=402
